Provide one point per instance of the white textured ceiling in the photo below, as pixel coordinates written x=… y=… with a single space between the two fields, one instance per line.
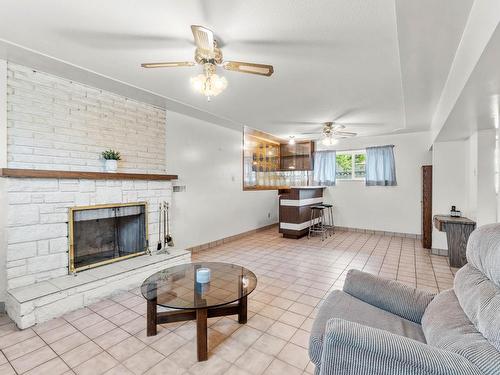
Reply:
x=380 y=62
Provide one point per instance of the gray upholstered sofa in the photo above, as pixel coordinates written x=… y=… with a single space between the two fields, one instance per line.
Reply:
x=378 y=326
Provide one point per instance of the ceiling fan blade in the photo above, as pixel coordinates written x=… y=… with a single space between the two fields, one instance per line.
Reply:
x=252 y=68
x=204 y=39
x=344 y=134
x=292 y=122
x=122 y=40
x=172 y=64
x=370 y=124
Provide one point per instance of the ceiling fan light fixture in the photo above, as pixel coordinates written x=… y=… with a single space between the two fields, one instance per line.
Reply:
x=198 y=82
x=210 y=84
x=329 y=141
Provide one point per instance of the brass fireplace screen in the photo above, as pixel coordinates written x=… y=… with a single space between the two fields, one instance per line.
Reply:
x=104 y=234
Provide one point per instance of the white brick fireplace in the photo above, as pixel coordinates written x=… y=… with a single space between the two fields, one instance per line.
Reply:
x=38 y=220
x=56 y=124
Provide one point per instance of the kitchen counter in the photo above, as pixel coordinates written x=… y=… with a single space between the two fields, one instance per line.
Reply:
x=295 y=211
x=250 y=188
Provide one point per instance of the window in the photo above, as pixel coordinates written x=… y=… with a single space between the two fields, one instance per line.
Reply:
x=351 y=165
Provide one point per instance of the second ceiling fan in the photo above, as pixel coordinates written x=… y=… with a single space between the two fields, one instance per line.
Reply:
x=332 y=131
x=209 y=54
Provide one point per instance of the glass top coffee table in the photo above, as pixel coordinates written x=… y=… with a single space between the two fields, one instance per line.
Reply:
x=176 y=287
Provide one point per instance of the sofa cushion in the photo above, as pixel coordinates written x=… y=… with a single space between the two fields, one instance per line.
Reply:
x=483 y=251
x=446 y=326
x=344 y=306
x=389 y=295
x=480 y=300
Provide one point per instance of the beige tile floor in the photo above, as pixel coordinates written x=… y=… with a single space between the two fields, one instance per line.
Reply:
x=294 y=276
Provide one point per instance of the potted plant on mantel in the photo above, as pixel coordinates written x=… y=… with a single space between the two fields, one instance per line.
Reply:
x=111 y=158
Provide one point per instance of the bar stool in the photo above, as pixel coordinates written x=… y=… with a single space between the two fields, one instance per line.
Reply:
x=330 y=224
x=316 y=222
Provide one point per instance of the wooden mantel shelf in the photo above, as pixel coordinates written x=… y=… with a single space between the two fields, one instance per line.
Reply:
x=39 y=173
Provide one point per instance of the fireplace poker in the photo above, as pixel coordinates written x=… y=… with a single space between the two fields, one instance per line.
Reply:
x=168 y=238
x=159 y=246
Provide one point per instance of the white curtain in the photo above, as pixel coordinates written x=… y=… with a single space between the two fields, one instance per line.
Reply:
x=380 y=166
x=324 y=168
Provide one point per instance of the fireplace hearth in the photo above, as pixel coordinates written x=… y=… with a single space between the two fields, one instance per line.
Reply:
x=103 y=234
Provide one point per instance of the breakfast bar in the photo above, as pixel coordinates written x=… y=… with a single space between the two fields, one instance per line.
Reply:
x=295 y=211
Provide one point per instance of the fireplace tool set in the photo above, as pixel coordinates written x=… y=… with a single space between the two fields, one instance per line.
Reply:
x=163 y=218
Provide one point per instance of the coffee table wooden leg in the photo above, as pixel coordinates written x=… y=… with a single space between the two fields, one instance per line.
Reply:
x=242 y=310
x=151 y=318
x=201 y=334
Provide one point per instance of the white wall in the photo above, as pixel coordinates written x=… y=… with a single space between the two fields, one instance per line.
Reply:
x=464 y=176
x=391 y=208
x=449 y=185
x=471 y=180
x=208 y=160
x=486 y=194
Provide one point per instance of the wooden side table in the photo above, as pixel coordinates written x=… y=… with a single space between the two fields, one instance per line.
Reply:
x=458 y=230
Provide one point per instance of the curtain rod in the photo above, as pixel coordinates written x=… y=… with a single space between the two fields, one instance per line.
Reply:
x=352 y=149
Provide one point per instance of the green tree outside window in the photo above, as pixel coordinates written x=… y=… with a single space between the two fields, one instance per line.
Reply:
x=350 y=166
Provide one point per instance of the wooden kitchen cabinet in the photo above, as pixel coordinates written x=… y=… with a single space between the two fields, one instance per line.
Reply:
x=297 y=157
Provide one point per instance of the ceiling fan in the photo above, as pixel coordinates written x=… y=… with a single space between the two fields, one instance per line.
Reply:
x=209 y=55
x=331 y=129
x=331 y=132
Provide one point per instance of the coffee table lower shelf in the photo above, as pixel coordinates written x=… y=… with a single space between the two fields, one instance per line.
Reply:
x=200 y=315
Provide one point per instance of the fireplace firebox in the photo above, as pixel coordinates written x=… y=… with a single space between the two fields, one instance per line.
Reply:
x=103 y=234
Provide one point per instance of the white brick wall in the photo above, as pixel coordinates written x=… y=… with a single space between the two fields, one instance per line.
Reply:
x=37 y=226
x=54 y=123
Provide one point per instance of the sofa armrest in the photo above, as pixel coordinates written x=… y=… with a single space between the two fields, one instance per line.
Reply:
x=389 y=295
x=352 y=349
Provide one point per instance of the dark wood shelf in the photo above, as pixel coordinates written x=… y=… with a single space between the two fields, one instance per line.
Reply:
x=40 y=173
x=262 y=187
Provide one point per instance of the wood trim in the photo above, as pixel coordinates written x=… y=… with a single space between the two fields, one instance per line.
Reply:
x=259 y=188
x=266 y=137
x=209 y=245
x=40 y=173
x=427 y=206
x=294 y=234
